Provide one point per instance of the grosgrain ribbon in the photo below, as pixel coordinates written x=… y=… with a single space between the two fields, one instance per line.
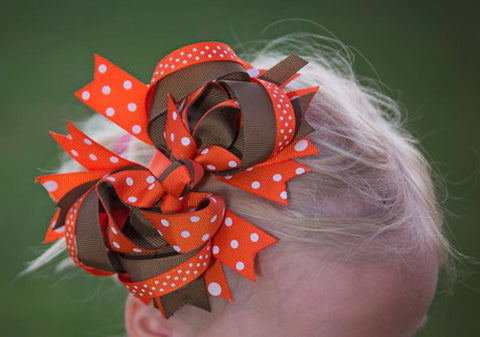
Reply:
x=202 y=111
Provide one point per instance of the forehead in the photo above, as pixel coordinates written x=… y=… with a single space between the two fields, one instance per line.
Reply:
x=357 y=299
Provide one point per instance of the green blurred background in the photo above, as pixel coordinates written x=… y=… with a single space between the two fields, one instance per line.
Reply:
x=425 y=52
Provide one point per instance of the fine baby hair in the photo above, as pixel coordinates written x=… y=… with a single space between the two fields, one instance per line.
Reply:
x=347 y=185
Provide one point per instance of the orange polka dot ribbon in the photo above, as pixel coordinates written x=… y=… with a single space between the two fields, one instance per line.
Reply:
x=206 y=112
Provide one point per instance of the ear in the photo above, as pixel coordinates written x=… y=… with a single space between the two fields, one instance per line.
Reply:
x=145 y=320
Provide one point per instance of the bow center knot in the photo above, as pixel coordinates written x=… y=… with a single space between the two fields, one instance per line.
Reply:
x=181 y=176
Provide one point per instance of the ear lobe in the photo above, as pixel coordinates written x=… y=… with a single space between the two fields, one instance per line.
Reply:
x=144 y=320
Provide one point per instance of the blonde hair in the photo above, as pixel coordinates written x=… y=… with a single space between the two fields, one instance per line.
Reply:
x=369 y=187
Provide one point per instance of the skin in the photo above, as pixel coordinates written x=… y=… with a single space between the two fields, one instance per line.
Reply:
x=302 y=291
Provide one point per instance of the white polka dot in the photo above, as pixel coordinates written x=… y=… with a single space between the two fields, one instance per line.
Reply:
x=232 y=163
x=132 y=199
x=255 y=185
x=228 y=177
x=215 y=250
x=85 y=95
x=213 y=219
x=214 y=289
x=174 y=115
x=114 y=159
x=300 y=170
x=115 y=244
x=69 y=137
x=205 y=237
x=204 y=151
x=110 y=112
x=114 y=231
x=151 y=187
x=131 y=107
x=185 y=141
x=87 y=141
x=277 y=177
x=240 y=265
x=253 y=72
x=50 y=185
x=211 y=167
x=194 y=219
x=234 y=244
x=185 y=234
x=106 y=90
x=136 y=129
x=177 y=249
x=165 y=222
x=172 y=137
x=92 y=157
x=301 y=145
x=136 y=250
x=129 y=181
x=283 y=195
x=102 y=68
x=127 y=85
x=254 y=237
x=111 y=179
x=228 y=221
x=150 y=179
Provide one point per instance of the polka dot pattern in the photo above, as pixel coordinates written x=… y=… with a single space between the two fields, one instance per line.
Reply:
x=170 y=281
x=116 y=94
x=57 y=185
x=191 y=55
x=236 y=237
x=284 y=115
x=119 y=242
x=216 y=158
x=70 y=225
x=266 y=180
x=136 y=188
x=179 y=140
x=87 y=152
x=190 y=230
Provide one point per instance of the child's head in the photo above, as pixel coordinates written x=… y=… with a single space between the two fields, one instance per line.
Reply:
x=360 y=243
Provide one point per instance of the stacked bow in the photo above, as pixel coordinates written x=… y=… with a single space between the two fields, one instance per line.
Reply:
x=206 y=112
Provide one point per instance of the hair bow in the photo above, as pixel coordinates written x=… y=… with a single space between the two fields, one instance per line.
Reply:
x=206 y=112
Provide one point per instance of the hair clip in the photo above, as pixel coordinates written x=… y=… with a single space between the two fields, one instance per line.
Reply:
x=206 y=112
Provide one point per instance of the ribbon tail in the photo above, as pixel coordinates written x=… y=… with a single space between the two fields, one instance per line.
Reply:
x=194 y=293
x=216 y=282
x=301 y=100
x=87 y=152
x=237 y=242
x=269 y=182
x=59 y=185
x=119 y=97
x=54 y=233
